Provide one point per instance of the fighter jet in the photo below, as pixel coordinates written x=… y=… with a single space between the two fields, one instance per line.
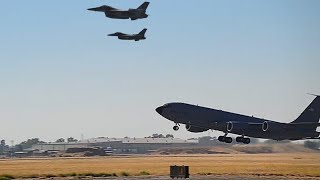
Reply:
x=135 y=37
x=200 y=119
x=133 y=14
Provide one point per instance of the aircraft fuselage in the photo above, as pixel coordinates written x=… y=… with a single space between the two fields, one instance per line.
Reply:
x=200 y=119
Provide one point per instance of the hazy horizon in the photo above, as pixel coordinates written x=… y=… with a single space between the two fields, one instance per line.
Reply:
x=61 y=76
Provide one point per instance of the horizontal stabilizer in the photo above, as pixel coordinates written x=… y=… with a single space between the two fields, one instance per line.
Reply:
x=313 y=94
x=305 y=124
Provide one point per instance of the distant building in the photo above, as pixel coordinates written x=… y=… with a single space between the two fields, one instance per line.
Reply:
x=120 y=145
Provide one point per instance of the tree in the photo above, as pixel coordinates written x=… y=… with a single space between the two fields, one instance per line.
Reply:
x=157 y=136
x=2 y=146
x=61 y=140
x=254 y=140
x=169 y=136
x=71 y=139
x=30 y=142
x=270 y=141
x=3 y=142
x=311 y=145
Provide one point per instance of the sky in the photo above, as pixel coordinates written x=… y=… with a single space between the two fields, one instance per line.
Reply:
x=62 y=76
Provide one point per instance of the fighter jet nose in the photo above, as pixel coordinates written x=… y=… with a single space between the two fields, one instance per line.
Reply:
x=159 y=110
x=95 y=9
x=114 y=34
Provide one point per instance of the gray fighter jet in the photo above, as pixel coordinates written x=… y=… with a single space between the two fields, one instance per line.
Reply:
x=133 y=14
x=135 y=37
x=200 y=119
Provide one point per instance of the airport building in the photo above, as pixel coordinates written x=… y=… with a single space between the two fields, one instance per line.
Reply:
x=120 y=145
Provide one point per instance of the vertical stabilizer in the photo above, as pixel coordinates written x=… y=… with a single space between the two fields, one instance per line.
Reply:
x=143 y=32
x=144 y=6
x=311 y=114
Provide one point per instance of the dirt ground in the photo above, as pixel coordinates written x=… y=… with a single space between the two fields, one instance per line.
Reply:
x=195 y=177
x=226 y=166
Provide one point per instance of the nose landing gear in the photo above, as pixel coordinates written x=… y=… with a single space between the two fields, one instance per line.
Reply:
x=176 y=127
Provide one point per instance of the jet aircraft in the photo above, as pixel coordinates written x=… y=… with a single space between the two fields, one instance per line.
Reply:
x=136 y=37
x=200 y=119
x=133 y=14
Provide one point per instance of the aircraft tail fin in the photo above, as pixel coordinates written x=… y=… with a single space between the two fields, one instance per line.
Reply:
x=311 y=114
x=143 y=32
x=144 y=6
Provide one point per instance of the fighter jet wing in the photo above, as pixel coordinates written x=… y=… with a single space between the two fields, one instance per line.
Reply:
x=122 y=12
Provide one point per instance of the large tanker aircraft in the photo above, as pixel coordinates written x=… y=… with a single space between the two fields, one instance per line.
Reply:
x=200 y=119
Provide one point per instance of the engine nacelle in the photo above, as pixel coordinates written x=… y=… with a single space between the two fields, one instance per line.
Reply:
x=236 y=126
x=265 y=126
x=195 y=129
x=268 y=126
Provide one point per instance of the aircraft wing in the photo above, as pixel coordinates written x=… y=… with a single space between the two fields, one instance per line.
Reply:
x=255 y=124
x=302 y=124
x=121 y=12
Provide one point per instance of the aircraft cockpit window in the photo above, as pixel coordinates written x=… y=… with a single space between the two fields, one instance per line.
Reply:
x=167 y=105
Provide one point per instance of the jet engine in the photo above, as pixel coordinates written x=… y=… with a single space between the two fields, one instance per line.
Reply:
x=265 y=126
x=195 y=129
x=236 y=126
x=271 y=126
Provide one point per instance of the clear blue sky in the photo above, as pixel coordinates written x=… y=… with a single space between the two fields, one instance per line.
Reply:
x=61 y=76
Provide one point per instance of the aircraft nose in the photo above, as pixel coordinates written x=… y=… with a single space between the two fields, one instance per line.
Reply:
x=91 y=9
x=94 y=9
x=114 y=34
x=159 y=110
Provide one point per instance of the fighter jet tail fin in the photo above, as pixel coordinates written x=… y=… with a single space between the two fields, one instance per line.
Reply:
x=143 y=32
x=144 y=6
x=311 y=114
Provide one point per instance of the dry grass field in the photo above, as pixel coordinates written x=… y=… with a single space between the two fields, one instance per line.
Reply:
x=298 y=164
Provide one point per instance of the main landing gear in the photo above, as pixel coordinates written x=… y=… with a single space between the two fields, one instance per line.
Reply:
x=176 y=127
x=243 y=140
x=225 y=138
x=229 y=139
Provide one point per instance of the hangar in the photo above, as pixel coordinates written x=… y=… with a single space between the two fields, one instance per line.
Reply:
x=120 y=145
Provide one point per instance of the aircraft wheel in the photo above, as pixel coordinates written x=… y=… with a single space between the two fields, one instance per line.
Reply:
x=246 y=140
x=228 y=140
x=221 y=138
x=239 y=139
x=176 y=128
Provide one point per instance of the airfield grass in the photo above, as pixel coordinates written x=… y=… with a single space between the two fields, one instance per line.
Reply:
x=302 y=165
